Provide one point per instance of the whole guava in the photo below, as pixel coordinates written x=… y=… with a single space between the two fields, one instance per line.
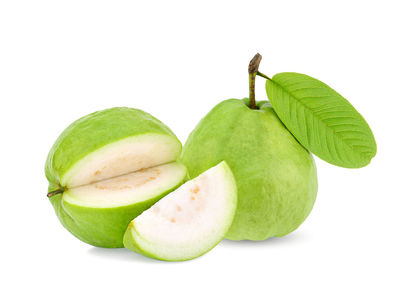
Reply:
x=276 y=176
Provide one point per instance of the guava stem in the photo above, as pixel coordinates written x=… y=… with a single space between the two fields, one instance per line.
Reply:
x=253 y=70
x=55 y=192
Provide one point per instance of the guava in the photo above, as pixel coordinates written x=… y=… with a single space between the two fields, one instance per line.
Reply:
x=276 y=176
x=107 y=168
x=189 y=221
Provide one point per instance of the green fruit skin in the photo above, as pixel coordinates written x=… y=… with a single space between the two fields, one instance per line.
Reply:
x=131 y=244
x=102 y=227
x=275 y=175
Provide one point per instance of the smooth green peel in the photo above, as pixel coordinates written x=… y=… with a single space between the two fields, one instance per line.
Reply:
x=276 y=176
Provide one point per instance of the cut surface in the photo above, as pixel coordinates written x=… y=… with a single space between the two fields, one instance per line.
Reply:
x=129 y=188
x=122 y=157
x=189 y=221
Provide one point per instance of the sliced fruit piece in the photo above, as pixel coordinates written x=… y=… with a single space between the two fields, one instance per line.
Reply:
x=189 y=221
x=108 y=167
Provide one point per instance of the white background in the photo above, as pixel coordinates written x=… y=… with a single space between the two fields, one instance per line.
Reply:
x=60 y=60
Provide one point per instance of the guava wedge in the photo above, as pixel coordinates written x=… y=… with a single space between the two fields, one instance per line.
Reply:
x=275 y=175
x=108 y=167
x=189 y=221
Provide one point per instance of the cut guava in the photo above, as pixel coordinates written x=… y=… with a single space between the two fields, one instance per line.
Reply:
x=189 y=221
x=108 y=167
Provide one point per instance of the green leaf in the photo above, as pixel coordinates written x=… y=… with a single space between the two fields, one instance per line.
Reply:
x=321 y=120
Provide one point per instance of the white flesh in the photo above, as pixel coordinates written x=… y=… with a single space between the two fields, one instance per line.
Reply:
x=122 y=157
x=129 y=188
x=191 y=220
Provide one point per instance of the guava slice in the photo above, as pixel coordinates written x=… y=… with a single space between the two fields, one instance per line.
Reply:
x=108 y=167
x=189 y=221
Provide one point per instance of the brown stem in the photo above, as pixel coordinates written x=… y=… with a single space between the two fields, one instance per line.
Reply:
x=253 y=70
x=55 y=192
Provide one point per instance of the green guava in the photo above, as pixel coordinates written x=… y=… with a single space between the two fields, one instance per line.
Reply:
x=276 y=176
x=189 y=221
x=108 y=167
